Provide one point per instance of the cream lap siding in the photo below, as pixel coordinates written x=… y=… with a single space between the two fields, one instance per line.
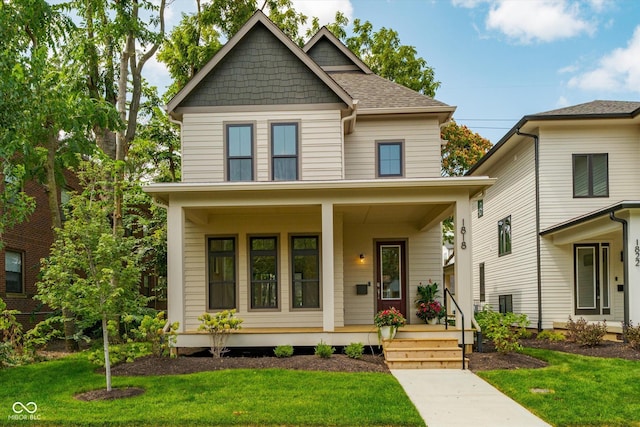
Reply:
x=421 y=146
x=320 y=155
x=556 y=175
x=515 y=273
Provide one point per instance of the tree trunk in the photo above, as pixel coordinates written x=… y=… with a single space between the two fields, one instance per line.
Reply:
x=105 y=342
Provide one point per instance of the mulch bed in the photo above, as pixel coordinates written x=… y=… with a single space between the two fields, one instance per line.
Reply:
x=115 y=393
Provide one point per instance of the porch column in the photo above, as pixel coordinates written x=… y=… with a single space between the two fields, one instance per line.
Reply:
x=463 y=265
x=633 y=261
x=175 y=274
x=328 y=303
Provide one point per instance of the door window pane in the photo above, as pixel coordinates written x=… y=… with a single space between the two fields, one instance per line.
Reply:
x=585 y=278
x=264 y=272
x=13 y=272
x=391 y=271
x=605 y=277
x=222 y=273
x=306 y=271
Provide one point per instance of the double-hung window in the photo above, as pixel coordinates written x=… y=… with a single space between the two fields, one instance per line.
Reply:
x=239 y=152
x=591 y=175
x=13 y=268
x=504 y=236
x=263 y=255
x=389 y=159
x=305 y=261
x=284 y=151
x=222 y=272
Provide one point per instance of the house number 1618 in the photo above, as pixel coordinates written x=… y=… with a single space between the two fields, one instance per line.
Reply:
x=637 y=251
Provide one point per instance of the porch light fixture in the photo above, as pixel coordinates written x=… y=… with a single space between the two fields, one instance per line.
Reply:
x=463 y=230
x=362 y=257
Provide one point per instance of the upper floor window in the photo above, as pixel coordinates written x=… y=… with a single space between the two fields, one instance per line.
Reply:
x=504 y=236
x=239 y=152
x=591 y=175
x=389 y=156
x=263 y=254
x=13 y=263
x=480 y=208
x=284 y=151
x=222 y=273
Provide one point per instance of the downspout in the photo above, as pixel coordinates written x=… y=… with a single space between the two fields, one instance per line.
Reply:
x=625 y=241
x=351 y=116
x=536 y=150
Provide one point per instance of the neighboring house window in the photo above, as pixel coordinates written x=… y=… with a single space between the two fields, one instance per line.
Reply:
x=240 y=152
x=504 y=236
x=480 y=208
x=505 y=303
x=305 y=261
x=13 y=263
x=591 y=175
x=389 y=156
x=284 y=151
x=482 y=286
x=222 y=273
x=263 y=254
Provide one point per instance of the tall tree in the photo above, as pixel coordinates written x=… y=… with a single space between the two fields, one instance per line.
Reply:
x=462 y=150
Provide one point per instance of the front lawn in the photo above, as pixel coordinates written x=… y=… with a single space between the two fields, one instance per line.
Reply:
x=575 y=390
x=232 y=397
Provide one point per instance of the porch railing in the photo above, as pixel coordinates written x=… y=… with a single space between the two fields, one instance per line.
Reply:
x=446 y=324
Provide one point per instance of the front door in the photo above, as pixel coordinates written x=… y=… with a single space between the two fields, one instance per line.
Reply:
x=591 y=279
x=391 y=276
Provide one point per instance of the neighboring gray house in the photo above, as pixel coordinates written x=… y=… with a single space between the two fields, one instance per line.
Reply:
x=558 y=233
x=311 y=194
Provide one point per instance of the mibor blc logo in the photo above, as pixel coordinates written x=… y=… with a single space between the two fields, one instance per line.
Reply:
x=24 y=411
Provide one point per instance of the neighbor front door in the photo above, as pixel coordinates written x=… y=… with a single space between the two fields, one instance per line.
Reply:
x=391 y=276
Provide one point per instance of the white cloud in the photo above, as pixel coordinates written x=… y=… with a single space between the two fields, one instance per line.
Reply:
x=157 y=74
x=541 y=21
x=562 y=102
x=617 y=71
x=324 y=10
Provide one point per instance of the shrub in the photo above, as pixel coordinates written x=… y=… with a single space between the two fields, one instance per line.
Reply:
x=584 y=333
x=219 y=325
x=632 y=335
x=324 y=350
x=354 y=350
x=283 y=351
x=548 y=335
x=504 y=330
x=151 y=330
x=120 y=353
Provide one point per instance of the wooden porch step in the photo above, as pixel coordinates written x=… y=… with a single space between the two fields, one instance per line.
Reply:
x=423 y=353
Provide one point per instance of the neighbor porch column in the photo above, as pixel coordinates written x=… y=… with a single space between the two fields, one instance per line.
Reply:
x=175 y=273
x=328 y=303
x=463 y=265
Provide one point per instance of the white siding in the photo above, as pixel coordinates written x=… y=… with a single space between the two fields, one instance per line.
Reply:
x=203 y=144
x=421 y=146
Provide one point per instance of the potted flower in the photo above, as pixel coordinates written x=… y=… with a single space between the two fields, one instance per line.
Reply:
x=429 y=312
x=388 y=321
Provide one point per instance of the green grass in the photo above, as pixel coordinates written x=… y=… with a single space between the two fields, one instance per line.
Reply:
x=233 y=397
x=586 y=391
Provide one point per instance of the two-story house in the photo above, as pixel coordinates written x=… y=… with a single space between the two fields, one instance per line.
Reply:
x=557 y=235
x=311 y=194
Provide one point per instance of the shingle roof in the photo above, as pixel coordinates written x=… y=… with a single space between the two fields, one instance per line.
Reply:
x=373 y=91
x=596 y=108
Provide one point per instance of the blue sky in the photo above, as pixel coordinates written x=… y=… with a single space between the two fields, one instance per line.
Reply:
x=498 y=60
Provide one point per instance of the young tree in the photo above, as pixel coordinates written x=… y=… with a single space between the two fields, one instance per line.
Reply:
x=93 y=271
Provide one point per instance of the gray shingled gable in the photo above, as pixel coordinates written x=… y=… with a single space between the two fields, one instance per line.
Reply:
x=595 y=108
x=325 y=53
x=260 y=70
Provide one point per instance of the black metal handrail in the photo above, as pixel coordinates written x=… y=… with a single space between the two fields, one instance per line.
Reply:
x=446 y=323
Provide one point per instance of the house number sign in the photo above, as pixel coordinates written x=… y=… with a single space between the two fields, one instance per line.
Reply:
x=637 y=251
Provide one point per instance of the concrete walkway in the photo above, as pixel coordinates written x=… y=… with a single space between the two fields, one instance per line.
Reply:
x=452 y=398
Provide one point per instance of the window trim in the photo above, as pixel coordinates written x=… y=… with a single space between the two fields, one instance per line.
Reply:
x=501 y=249
x=227 y=158
x=236 y=285
x=298 y=156
x=250 y=277
x=23 y=289
x=291 y=279
x=401 y=143
x=589 y=157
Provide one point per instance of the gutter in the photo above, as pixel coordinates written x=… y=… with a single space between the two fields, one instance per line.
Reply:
x=625 y=241
x=536 y=147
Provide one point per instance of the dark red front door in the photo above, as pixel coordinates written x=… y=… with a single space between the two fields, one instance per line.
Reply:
x=391 y=276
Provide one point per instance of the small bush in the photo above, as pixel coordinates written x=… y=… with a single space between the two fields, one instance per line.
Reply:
x=584 y=333
x=151 y=329
x=504 y=330
x=324 y=350
x=354 y=350
x=120 y=353
x=283 y=351
x=632 y=335
x=551 y=336
x=219 y=325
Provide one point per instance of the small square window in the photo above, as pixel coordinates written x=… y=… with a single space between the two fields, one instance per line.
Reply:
x=389 y=156
x=504 y=236
x=505 y=303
